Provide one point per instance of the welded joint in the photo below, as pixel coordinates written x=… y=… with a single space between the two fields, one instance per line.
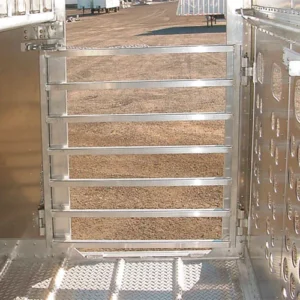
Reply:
x=178 y=279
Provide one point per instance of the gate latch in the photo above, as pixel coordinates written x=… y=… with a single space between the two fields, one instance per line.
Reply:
x=42 y=227
x=242 y=222
x=41 y=47
x=248 y=71
x=291 y=59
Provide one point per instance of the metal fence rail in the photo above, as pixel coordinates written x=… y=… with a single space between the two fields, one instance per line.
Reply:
x=140 y=150
x=69 y=52
x=161 y=117
x=139 y=84
x=144 y=244
x=140 y=213
x=142 y=182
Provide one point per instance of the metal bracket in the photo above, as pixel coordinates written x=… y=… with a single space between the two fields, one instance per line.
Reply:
x=291 y=59
x=46 y=31
x=248 y=71
x=43 y=37
x=42 y=221
x=242 y=222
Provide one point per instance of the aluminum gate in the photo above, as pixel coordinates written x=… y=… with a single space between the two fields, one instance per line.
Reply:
x=56 y=151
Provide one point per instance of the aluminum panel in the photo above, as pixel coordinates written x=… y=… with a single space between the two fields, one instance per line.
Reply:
x=270 y=115
x=291 y=241
x=273 y=3
x=20 y=140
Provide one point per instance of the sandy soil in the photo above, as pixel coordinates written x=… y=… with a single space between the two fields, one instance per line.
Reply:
x=150 y=25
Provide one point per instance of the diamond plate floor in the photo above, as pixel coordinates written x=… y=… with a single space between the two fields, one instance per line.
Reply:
x=130 y=280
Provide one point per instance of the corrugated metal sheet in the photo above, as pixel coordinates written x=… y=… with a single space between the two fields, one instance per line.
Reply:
x=201 y=7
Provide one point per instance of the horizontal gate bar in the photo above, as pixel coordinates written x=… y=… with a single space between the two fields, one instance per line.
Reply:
x=145 y=243
x=139 y=84
x=165 y=255
x=141 y=213
x=142 y=150
x=142 y=51
x=140 y=182
x=160 y=117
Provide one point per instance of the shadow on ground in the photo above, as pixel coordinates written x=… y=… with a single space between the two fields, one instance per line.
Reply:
x=187 y=30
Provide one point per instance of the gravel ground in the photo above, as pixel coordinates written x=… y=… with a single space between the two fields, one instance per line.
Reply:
x=148 y=25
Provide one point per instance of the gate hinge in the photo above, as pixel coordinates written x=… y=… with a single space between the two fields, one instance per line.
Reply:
x=248 y=71
x=42 y=227
x=242 y=222
x=291 y=59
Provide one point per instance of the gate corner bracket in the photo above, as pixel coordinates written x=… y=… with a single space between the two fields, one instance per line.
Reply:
x=291 y=59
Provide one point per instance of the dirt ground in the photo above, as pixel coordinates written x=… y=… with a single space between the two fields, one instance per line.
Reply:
x=148 y=25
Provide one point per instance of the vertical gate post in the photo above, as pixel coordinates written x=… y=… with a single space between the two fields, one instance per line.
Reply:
x=234 y=128
x=53 y=69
